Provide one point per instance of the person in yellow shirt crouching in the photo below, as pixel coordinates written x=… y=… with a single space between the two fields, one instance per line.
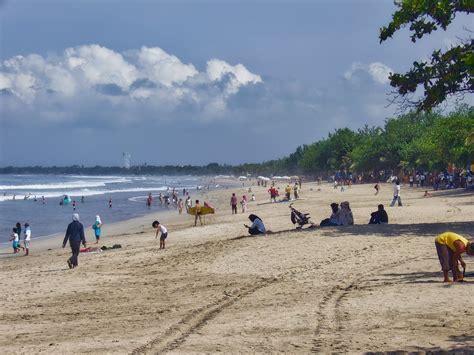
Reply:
x=450 y=246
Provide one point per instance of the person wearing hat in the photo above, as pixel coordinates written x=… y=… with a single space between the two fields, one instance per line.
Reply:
x=450 y=246
x=75 y=235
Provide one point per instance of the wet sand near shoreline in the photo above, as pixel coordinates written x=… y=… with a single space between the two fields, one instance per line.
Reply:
x=340 y=289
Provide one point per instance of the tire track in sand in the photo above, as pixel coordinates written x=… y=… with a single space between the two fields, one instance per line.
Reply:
x=177 y=334
x=330 y=320
x=174 y=336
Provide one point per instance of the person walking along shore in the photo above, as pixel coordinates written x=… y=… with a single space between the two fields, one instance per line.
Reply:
x=75 y=235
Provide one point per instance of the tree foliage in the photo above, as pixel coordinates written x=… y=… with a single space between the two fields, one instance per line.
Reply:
x=446 y=73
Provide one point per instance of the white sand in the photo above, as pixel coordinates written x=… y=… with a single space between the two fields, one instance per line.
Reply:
x=341 y=289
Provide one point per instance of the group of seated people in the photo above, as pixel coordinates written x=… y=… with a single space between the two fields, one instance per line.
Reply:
x=341 y=215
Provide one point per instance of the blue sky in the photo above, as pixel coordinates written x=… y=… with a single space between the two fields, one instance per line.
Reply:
x=192 y=82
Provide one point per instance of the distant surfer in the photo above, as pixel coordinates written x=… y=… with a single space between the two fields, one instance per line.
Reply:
x=110 y=202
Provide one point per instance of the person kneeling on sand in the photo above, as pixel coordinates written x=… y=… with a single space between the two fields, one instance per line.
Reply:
x=379 y=217
x=449 y=247
x=164 y=233
x=334 y=220
x=257 y=226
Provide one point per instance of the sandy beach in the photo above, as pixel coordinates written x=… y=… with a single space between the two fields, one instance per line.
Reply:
x=355 y=289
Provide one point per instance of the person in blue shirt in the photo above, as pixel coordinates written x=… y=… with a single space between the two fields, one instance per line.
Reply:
x=257 y=226
x=97 y=227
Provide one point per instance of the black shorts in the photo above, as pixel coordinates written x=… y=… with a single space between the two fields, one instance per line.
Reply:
x=164 y=236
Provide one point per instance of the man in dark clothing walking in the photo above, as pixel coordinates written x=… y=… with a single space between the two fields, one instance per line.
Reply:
x=75 y=234
x=233 y=203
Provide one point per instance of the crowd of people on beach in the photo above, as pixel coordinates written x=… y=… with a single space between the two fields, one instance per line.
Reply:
x=448 y=179
x=449 y=245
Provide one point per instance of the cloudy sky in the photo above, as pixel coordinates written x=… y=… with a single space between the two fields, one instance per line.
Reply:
x=192 y=82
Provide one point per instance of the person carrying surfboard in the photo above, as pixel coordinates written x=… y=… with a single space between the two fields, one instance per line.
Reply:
x=198 y=213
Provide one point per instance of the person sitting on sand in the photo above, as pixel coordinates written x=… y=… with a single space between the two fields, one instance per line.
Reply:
x=427 y=194
x=164 y=233
x=379 y=217
x=334 y=219
x=449 y=247
x=257 y=226
x=345 y=216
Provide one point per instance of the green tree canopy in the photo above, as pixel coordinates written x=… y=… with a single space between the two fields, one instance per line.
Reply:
x=446 y=73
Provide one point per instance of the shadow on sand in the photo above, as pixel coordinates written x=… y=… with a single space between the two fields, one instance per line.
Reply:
x=395 y=230
x=465 y=350
x=383 y=230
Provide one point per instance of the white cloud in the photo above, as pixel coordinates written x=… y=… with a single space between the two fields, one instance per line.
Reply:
x=89 y=74
x=238 y=75
x=379 y=72
x=99 y=65
x=163 y=68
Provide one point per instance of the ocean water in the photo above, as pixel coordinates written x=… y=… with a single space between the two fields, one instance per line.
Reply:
x=128 y=194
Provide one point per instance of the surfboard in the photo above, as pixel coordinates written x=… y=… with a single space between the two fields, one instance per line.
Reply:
x=204 y=210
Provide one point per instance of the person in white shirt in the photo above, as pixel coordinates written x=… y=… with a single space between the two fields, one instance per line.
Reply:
x=164 y=233
x=396 y=194
x=16 y=241
x=27 y=239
